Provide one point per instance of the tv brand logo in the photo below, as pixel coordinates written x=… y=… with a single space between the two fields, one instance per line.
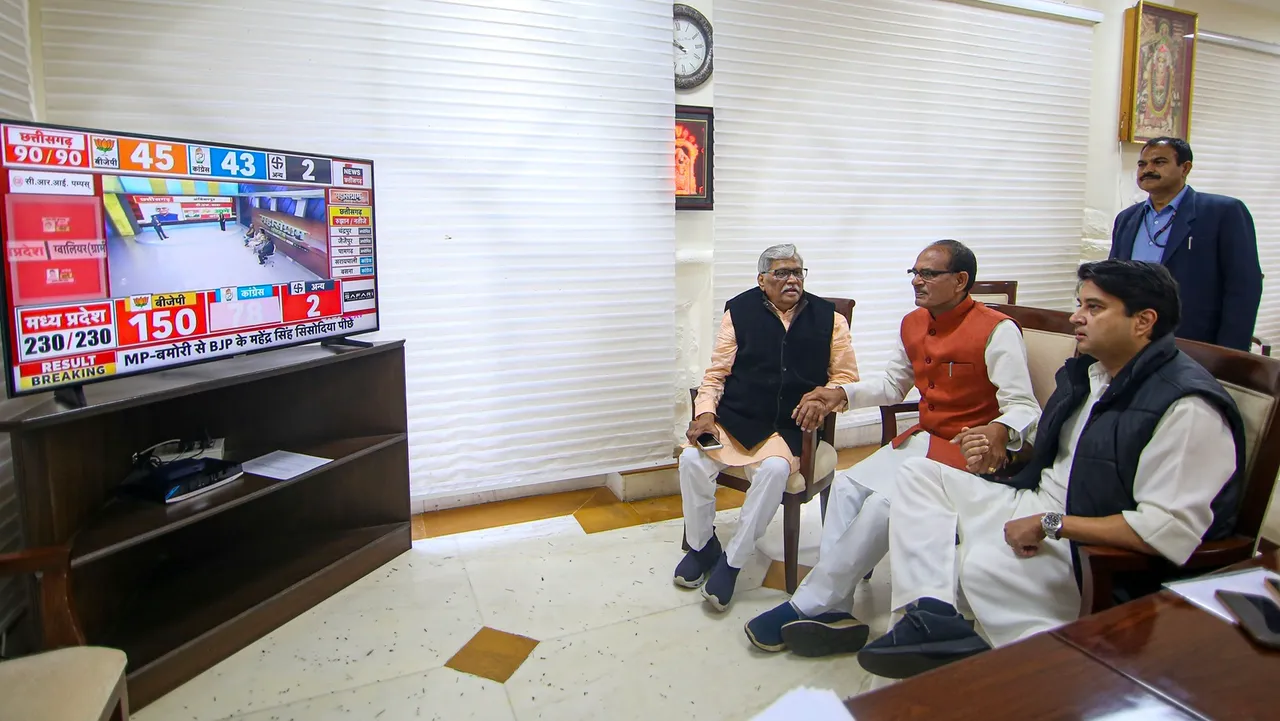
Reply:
x=354 y=295
x=353 y=176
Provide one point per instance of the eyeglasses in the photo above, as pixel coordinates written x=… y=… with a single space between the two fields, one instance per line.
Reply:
x=784 y=273
x=927 y=273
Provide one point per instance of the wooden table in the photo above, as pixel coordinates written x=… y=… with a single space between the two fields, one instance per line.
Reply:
x=1158 y=656
x=1194 y=660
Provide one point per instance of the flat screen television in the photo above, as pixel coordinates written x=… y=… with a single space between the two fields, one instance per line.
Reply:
x=130 y=253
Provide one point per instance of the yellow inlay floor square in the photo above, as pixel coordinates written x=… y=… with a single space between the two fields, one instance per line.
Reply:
x=492 y=654
x=776 y=576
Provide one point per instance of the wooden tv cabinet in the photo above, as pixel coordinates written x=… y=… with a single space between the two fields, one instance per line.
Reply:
x=183 y=586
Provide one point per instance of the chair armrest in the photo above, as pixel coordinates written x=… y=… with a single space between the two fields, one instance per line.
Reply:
x=58 y=622
x=1100 y=564
x=35 y=560
x=808 y=456
x=889 y=419
x=1217 y=554
x=1098 y=567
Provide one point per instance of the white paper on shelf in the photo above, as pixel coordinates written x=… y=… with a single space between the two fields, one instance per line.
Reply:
x=1200 y=591
x=810 y=704
x=282 y=465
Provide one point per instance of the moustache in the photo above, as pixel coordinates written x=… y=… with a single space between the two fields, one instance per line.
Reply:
x=1151 y=176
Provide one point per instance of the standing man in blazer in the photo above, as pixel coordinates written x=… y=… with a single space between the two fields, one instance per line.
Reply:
x=1207 y=242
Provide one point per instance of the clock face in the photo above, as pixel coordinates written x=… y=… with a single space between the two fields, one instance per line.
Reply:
x=691 y=49
x=691 y=46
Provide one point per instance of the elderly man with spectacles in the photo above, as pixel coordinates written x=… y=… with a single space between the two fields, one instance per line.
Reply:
x=775 y=344
x=969 y=363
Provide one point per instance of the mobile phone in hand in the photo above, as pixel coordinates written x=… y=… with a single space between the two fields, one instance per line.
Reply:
x=1259 y=616
x=708 y=442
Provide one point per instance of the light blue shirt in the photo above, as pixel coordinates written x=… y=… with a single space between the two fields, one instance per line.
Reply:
x=1157 y=225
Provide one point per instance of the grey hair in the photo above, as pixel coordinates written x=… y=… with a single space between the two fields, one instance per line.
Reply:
x=786 y=251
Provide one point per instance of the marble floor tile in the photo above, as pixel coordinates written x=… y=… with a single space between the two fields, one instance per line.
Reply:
x=555 y=585
x=409 y=616
x=687 y=662
x=439 y=695
x=617 y=639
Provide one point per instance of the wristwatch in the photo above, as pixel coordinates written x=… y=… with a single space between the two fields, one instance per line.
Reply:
x=1051 y=524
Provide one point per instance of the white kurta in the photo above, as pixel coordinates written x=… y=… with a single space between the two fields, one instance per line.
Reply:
x=1190 y=456
x=1006 y=359
x=855 y=532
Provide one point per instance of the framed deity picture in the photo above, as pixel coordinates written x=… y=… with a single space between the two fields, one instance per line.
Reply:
x=1159 y=67
x=695 y=131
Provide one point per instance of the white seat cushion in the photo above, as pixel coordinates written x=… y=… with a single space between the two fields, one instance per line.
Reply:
x=824 y=462
x=1046 y=352
x=70 y=684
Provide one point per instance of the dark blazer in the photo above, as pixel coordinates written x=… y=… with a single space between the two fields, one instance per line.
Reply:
x=1213 y=254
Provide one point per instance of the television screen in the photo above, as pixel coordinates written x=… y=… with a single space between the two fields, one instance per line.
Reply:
x=128 y=253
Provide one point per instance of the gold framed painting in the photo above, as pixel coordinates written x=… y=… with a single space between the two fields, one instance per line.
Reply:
x=1159 y=69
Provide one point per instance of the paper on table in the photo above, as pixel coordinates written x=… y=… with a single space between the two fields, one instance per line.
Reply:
x=1200 y=591
x=282 y=465
x=809 y=704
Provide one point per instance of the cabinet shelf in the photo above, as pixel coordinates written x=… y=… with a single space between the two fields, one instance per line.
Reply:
x=223 y=593
x=127 y=522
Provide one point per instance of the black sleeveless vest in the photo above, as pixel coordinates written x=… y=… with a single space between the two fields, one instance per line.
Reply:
x=774 y=367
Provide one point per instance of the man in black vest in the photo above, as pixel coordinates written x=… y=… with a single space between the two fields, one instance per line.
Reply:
x=1139 y=448
x=775 y=344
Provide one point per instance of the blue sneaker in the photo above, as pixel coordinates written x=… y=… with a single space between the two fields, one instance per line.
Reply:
x=695 y=565
x=718 y=590
x=765 y=630
x=825 y=634
x=930 y=635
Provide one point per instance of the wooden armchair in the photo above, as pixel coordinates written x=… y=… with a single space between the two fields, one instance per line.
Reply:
x=995 y=292
x=79 y=683
x=1254 y=382
x=817 y=471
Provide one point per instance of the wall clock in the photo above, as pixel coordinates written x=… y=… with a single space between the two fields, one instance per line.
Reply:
x=691 y=46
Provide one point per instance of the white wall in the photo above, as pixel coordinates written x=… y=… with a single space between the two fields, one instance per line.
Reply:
x=695 y=230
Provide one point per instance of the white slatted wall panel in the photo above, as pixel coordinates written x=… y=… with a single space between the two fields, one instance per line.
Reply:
x=15 y=102
x=1237 y=103
x=862 y=130
x=523 y=179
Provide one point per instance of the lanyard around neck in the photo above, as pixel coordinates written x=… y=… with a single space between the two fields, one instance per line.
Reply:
x=1153 y=235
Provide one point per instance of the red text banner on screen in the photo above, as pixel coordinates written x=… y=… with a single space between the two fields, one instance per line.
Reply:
x=128 y=253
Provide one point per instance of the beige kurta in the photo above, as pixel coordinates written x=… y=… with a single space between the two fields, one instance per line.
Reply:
x=843 y=369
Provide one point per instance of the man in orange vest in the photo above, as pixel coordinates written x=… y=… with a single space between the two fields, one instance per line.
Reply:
x=970 y=365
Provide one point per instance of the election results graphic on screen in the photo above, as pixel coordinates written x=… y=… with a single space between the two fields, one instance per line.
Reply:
x=127 y=254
